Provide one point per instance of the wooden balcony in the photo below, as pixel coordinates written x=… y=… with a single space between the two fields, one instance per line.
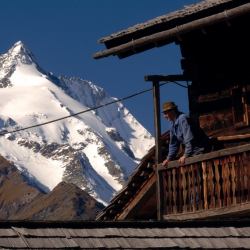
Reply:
x=211 y=185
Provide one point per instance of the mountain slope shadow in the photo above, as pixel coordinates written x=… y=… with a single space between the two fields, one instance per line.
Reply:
x=19 y=201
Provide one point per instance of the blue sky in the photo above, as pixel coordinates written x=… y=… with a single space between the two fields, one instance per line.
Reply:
x=63 y=35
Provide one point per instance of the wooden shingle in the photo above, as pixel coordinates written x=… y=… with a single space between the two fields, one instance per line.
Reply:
x=20 y=230
x=17 y=242
x=94 y=243
x=231 y=231
x=168 y=243
x=157 y=232
x=7 y=232
x=245 y=242
x=219 y=232
x=232 y=242
x=82 y=242
x=5 y=243
x=57 y=232
x=39 y=242
x=173 y=232
x=217 y=243
x=244 y=231
x=147 y=232
x=179 y=242
x=109 y=243
x=70 y=243
x=204 y=232
x=110 y=232
x=123 y=243
x=95 y=232
x=123 y=235
x=191 y=232
x=205 y=243
x=58 y=243
x=44 y=232
x=137 y=243
x=191 y=243
x=79 y=232
x=156 y=243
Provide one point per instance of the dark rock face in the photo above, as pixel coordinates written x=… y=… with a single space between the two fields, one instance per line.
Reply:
x=65 y=202
x=114 y=135
x=19 y=201
x=14 y=192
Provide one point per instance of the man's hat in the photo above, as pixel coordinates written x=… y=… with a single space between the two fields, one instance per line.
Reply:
x=168 y=105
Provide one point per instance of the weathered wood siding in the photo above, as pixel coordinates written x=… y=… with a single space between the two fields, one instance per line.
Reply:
x=218 y=61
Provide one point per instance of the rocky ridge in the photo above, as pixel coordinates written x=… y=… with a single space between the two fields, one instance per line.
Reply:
x=20 y=201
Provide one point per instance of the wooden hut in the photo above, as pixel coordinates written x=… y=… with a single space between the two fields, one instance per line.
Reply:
x=214 y=42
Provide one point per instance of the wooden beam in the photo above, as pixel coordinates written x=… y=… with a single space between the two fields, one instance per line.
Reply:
x=113 y=211
x=140 y=200
x=161 y=78
x=149 y=165
x=129 y=193
x=210 y=156
x=158 y=150
x=107 y=218
x=233 y=211
x=184 y=28
x=145 y=173
x=121 y=202
x=233 y=137
x=136 y=184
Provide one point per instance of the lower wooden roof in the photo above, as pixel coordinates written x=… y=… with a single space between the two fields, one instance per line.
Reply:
x=125 y=235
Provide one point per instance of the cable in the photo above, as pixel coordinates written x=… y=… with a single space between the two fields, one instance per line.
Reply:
x=103 y=105
x=179 y=84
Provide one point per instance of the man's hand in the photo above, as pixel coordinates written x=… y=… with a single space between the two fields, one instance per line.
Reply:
x=165 y=162
x=182 y=159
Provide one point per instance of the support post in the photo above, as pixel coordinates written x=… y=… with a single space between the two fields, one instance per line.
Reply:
x=158 y=151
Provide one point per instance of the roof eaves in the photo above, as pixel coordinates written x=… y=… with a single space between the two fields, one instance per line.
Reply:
x=176 y=31
x=188 y=10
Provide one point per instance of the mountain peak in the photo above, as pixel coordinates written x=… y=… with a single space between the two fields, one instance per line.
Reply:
x=17 y=55
x=96 y=150
x=20 y=51
x=20 y=45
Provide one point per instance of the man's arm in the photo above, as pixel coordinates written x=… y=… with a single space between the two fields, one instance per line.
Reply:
x=173 y=148
x=188 y=137
x=165 y=162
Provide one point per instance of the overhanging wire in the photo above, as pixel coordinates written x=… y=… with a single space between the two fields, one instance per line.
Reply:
x=103 y=105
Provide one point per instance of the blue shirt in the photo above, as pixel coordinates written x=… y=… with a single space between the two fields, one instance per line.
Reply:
x=184 y=130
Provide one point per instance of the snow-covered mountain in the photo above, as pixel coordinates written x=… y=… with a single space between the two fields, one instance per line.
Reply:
x=96 y=150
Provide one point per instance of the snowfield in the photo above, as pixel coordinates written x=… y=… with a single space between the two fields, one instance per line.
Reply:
x=96 y=150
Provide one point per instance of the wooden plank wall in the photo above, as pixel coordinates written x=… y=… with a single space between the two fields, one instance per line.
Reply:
x=218 y=59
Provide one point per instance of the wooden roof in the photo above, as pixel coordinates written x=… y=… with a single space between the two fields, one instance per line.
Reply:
x=171 y=27
x=186 y=11
x=142 y=177
x=125 y=235
x=137 y=198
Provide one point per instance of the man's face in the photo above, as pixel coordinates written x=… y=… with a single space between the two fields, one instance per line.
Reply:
x=169 y=114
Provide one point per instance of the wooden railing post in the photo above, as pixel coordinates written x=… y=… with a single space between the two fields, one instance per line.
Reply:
x=218 y=186
x=248 y=174
x=208 y=183
x=233 y=176
x=204 y=171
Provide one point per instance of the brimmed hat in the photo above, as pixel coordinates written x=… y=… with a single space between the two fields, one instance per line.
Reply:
x=168 y=105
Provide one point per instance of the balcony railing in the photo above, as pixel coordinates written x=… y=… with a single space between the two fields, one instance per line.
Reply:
x=207 y=185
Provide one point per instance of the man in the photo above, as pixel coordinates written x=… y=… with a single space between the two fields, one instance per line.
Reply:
x=184 y=130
